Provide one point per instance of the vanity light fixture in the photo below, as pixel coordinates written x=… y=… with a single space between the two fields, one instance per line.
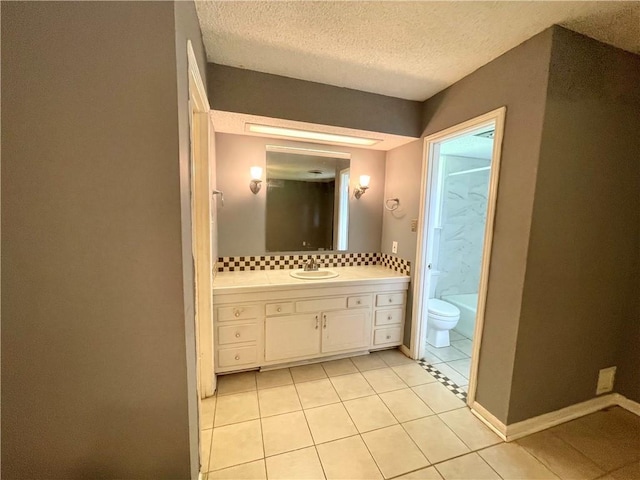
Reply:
x=364 y=184
x=309 y=135
x=256 y=179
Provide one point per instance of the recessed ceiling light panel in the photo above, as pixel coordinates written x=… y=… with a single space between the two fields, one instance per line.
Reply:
x=309 y=135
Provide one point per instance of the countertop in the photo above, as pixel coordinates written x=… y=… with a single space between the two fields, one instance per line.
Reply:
x=268 y=280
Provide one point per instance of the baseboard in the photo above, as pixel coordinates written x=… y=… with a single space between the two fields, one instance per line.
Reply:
x=624 y=402
x=489 y=420
x=551 y=419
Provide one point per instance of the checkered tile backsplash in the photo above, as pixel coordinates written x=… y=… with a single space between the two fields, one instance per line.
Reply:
x=327 y=260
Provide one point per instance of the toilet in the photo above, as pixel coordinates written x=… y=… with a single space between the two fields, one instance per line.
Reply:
x=441 y=317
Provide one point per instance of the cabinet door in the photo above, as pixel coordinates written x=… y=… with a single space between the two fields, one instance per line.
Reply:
x=292 y=336
x=346 y=330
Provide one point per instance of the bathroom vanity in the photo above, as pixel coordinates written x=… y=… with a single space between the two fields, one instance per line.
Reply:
x=268 y=318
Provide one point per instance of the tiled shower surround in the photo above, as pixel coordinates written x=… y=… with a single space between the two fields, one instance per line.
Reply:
x=326 y=260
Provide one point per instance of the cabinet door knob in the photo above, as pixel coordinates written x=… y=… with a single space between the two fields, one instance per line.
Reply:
x=325 y=321
x=388 y=337
x=237 y=357
x=317 y=322
x=358 y=302
x=237 y=313
x=237 y=334
x=279 y=309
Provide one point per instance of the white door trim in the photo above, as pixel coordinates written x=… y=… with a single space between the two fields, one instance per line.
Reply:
x=418 y=326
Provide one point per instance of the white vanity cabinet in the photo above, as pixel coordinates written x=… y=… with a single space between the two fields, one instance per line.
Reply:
x=260 y=327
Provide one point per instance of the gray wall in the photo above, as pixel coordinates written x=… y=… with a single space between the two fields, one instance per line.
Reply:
x=244 y=91
x=241 y=222
x=517 y=80
x=403 y=169
x=94 y=357
x=580 y=301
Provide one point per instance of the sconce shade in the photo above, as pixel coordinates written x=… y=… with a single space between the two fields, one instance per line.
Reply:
x=256 y=173
x=364 y=185
x=364 y=180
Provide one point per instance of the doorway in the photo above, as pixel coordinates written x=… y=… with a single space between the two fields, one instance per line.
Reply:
x=457 y=210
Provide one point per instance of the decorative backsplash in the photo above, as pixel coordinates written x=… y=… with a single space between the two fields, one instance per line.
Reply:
x=327 y=260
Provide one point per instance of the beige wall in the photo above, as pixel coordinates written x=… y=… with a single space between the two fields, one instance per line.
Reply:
x=94 y=351
x=241 y=222
x=580 y=301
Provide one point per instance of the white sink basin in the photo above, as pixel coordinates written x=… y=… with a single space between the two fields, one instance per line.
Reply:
x=313 y=274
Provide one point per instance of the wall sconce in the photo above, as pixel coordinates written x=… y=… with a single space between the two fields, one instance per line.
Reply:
x=256 y=179
x=364 y=184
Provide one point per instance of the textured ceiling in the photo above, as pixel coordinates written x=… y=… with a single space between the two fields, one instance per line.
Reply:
x=409 y=50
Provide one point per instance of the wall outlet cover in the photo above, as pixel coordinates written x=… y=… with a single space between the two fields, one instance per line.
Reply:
x=394 y=247
x=606 y=378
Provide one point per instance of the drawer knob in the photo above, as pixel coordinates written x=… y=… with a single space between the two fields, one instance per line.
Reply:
x=237 y=357
x=358 y=302
x=237 y=334
x=237 y=313
x=388 y=337
x=389 y=317
x=390 y=300
x=279 y=309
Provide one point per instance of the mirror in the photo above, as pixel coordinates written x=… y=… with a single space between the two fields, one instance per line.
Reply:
x=307 y=200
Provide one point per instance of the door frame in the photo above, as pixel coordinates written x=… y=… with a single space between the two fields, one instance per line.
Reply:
x=201 y=208
x=421 y=279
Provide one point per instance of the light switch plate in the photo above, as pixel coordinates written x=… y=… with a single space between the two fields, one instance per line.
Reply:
x=414 y=225
x=606 y=378
x=394 y=247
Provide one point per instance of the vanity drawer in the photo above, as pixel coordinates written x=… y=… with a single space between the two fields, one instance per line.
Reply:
x=237 y=333
x=388 y=317
x=230 y=357
x=321 y=304
x=359 y=301
x=387 y=335
x=279 y=308
x=239 y=312
x=388 y=299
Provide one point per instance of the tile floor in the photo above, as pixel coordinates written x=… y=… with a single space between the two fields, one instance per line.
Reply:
x=455 y=361
x=383 y=416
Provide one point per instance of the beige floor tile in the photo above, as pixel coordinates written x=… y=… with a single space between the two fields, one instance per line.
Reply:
x=394 y=357
x=207 y=412
x=464 y=345
x=205 y=449
x=274 y=378
x=369 y=413
x=630 y=472
x=339 y=367
x=368 y=362
x=317 y=393
x=438 y=397
x=435 y=439
x=299 y=465
x=394 y=451
x=413 y=374
x=405 y=405
x=236 y=408
x=284 y=433
x=278 y=400
x=236 y=444
x=236 y=383
x=307 y=373
x=560 y=457
x=352 y=386
x=453 y=375
x=511 y=461
x=463 y=366
x=446 y=353
x=330 y=422
x=606 y=438
x=247 y=471
x=467 y=467
x=429 y=473
x=347 y=459
x=384 y=380
x=470 y=430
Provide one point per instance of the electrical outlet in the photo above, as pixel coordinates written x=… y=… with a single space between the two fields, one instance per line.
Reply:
x=414 y=225
x=394 y=247
x=606 y=377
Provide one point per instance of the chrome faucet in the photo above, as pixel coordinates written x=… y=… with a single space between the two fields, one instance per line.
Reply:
x=311 y=265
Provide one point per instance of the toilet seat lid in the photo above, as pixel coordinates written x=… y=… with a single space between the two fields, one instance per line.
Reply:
x=442 y=308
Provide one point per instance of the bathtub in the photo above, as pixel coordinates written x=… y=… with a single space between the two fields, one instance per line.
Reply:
x=468 y=304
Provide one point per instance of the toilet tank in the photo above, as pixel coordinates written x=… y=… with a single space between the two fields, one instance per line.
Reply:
x=434 y=276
